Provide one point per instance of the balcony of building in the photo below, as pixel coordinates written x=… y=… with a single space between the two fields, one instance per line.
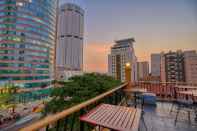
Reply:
x=165 y=115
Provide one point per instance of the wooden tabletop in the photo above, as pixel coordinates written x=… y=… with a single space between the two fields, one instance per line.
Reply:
x=187 y=87
x=141 y=90
x=118 y=118
x=190 y=92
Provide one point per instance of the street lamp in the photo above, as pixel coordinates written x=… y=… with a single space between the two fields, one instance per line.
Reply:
x=128 y=74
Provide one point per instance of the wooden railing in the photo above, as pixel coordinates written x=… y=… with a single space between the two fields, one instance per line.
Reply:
x=68 y=120
x=163 y=90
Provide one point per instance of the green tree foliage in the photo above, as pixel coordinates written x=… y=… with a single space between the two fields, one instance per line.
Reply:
x=7 y=98
x=79 y=89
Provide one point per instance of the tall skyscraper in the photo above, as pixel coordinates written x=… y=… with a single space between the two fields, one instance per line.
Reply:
x=155 y=64
x=172 y=67
x=142 y=70
x=190 y=59
x=70 y=40
x=121 y=53
x=27 y=40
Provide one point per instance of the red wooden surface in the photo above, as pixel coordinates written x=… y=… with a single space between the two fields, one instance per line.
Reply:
x=114 y=117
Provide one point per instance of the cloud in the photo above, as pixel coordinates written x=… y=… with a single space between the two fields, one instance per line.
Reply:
x=95 y=57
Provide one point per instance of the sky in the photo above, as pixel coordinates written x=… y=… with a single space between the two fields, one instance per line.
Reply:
x=156 y=25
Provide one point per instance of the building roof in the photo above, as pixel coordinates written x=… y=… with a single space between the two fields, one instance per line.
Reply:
x=128 y=40
x=123 y=43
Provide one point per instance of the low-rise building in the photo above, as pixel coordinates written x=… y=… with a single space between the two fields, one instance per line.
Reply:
x=190 y=60
x=172 y=67
x=142 y=70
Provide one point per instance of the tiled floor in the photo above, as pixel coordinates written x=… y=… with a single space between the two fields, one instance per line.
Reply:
x=159 y=118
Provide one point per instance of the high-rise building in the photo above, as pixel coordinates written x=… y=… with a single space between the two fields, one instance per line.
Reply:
x=27 y=42
x=155 y=64
x=190 y=59
x=142 y=70
x=172 y=67
x=70 y=40
x=121 y=53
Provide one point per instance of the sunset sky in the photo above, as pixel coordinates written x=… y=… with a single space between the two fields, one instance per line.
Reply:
x=156 y=25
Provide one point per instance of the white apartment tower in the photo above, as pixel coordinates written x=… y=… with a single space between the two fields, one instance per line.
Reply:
x=155 y=64
x=70 y=40
x=121 y=53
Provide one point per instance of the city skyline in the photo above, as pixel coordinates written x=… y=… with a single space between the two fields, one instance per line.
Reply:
x=88 y=65
x=156 y=25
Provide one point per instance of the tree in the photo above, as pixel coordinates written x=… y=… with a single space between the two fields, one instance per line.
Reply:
x=79 y=89
x=7 y=98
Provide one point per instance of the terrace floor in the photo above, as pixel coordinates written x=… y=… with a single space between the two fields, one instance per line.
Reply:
x=159 y=118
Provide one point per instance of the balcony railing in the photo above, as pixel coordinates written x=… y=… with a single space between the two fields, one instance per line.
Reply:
x=163 y=90
x=69 y=118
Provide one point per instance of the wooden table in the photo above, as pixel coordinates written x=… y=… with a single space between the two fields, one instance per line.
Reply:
x=113 y=117
x=190 y=92
x=187 y=87
x=136 y=91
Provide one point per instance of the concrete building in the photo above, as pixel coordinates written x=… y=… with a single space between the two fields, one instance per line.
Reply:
x=155 y=64
x=70 y=40
x=172 y=67
x=27 y=42
x=142 y=70
x=190 y=59
x=121 y=53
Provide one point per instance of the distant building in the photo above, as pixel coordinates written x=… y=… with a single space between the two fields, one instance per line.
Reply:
x=66 y=74
x=70 y=41
x=190 y=59
x=142 y=70
x=172 y=67
x=121 y=53
x=155 y=64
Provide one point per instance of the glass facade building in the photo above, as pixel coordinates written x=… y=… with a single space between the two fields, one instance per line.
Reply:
x=27 y=42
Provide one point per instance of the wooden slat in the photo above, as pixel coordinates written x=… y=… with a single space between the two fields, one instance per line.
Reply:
x=114 y=117
x=100 y=112
x=119 y=119
x=136 y=121
x=130 y=123
x=122 y=120
x=103 y=113
x=110 y=115
x=126 y=121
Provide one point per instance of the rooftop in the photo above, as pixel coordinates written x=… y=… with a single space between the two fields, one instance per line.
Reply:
x=154 y=118
x=159 y=118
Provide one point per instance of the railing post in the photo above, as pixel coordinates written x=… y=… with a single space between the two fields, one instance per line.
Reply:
x=82 y=123
x=65 y=124
x=58 y=125
x=116 y=99
x=72 y=122
x=47 y=128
